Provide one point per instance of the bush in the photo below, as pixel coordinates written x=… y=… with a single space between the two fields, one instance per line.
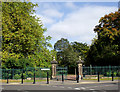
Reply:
x=43 y=74
x=115 y=73
x=109 y=73
x=118 y=74
x=37 y=74
x=17 y=76
x=30 y=74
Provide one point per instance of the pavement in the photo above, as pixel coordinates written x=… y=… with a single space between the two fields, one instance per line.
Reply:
x=66 y=85
x=66 y=82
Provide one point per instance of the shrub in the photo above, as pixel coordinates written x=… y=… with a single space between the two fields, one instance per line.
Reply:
x=43 y=74
x=109 y=73
x=115 y=73
x=17 y=76
x=30 y=74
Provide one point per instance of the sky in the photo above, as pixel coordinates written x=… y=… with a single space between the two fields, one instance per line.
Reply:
x=74 y=21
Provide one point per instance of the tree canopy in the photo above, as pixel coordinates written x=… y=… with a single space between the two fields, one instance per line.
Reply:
x=68 y=53
x=106 y=48
x=22 y=36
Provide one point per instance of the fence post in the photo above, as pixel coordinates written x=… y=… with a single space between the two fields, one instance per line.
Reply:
x=112 y=76
x=62 y=78
x=7 y=76
x=98 y=77
x=34 y=77
x=47 y=78
x=22 y=77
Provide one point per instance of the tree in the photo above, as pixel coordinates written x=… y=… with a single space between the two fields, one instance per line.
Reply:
x=68 y=53
x=22 y=35
x=81 y=49
x=106 y=49
x=60 y=46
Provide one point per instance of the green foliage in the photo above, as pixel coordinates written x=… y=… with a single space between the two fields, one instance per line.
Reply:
x=115 y=73
x=17 y=76
x=81 y=49
x=61 y=45
x=109 y=73
x=65 y=52
x=24 y=76
x=23 y=41
x=106 y=47
x=30 y=74
x=43 y=74
x=68 y=53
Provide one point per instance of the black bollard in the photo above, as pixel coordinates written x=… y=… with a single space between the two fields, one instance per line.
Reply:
x=62 y=78
x=22 y=77
x=78 y=78
x=34 y=77
x=98 y=77
x=47 y=78
x=112 y=76
x=7 y=76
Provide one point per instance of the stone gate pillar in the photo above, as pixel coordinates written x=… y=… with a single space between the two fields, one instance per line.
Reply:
x=54 y=64
x=80 y=67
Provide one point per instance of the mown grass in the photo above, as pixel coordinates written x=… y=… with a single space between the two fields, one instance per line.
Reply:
x=21 y=80
x=115 y=78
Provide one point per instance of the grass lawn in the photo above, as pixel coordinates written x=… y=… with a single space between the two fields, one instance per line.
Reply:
x=104 y=78
x=4 y=81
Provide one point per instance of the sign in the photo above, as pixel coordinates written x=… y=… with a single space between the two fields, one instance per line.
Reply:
x=45 y=69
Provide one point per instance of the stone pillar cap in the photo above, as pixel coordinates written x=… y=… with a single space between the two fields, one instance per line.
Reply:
x=80 y=61
x=54 y=61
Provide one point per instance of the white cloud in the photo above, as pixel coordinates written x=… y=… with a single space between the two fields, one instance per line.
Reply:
x=49 y=12
x=45 y=19
x=71 y=5
x=79 y=25
x=52 y=13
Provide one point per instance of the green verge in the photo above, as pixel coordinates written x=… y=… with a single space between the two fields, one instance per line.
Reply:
x=4 y=81
x=116 y=78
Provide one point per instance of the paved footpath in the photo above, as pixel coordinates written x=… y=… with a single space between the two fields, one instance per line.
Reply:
x=67 y=85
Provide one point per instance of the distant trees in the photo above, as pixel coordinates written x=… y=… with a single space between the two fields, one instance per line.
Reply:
x=106 y=48
x=68 y=53
x=81 y=49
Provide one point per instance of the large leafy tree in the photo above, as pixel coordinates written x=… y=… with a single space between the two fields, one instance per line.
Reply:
x=22 y=36
x=81 y=49
x=68 y=53
x=65 y=54
x=106 y=49
x=60 y=46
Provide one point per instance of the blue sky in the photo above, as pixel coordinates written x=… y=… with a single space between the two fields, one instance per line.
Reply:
x=73 y=20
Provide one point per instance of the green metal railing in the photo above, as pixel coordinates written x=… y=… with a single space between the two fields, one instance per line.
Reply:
x=103 y=70
x=27 y=73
